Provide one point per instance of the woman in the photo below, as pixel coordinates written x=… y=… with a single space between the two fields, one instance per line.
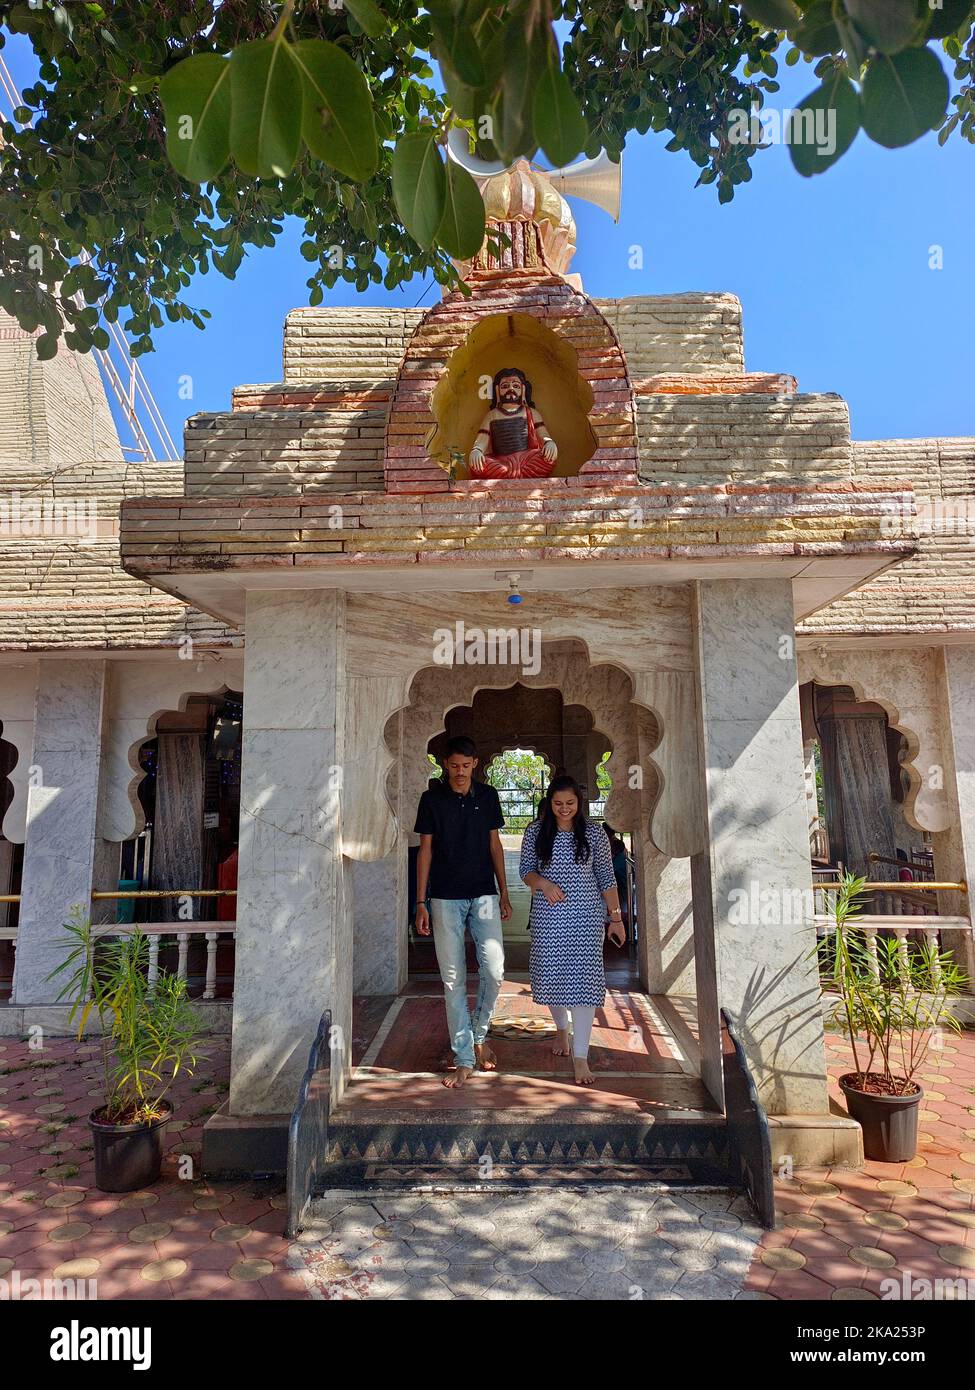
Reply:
x=566 y=862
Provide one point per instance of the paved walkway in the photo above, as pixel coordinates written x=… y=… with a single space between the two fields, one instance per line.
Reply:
x=553 y=1243
x=842 y=1233
x=180 y=1239
x=847 y=1234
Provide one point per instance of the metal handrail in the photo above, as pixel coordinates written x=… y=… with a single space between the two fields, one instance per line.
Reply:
x=892 y=886
x=171 y=893
x=874 y=857
x=147 y=893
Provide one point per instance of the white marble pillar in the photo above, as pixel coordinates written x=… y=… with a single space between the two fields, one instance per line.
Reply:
x=381 y=925
x=62 y=810
x=294 y=946
x=667 y=938
x=954 y=848
x=664 y=884
x=756 y=869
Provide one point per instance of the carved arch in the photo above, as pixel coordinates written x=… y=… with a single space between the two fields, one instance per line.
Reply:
x=560 y=672
x=677 y=821
x=140 y=697
x=907 y=692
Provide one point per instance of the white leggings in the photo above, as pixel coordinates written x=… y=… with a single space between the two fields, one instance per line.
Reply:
x=582 y=1020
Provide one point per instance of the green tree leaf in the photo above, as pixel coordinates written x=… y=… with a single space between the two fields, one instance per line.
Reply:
x=511 y=109
x=337 y=120
x=817 y=34
x=196 y=100
x=455 y=45
x=904 y=95
x=560 y=126
x=462 y=230
x=948 y=19
x=776 y=14
x=890 y=25
x=368 y=16
x=420 y=185
x=839 y=101
x=266 y=108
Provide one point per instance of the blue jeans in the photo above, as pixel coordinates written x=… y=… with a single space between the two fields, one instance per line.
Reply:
x=452 y=918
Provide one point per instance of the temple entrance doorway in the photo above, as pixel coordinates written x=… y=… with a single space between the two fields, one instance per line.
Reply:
x=189 y=795
x=397 y=1120
x=525 y=736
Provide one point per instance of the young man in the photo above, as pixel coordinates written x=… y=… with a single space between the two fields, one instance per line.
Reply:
x=460 y=874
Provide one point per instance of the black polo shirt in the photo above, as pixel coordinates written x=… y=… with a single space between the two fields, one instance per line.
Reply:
x=461 y=828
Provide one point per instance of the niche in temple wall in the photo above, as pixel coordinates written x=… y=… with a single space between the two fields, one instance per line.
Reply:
x=462 y=403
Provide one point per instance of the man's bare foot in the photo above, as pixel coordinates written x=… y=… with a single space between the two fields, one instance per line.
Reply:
x=561 y=1047
x=457 y=1077
x=584 y=1076
x=486 y=1056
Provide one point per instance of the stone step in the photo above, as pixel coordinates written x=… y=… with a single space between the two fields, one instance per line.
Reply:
x=472 y=1148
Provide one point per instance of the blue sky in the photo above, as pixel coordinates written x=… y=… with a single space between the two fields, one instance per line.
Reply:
x=833 y=274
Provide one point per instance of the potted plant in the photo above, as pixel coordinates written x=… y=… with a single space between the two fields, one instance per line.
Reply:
x=893 y=1001
x=149 y=1034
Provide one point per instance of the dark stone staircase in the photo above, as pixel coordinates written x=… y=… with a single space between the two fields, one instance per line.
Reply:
x=393 y=1130
x=401 y=1147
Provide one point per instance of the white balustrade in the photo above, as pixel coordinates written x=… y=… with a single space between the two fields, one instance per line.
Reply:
x=936 y=930
x=185 y=933
x=211 y=978
x=153 y=959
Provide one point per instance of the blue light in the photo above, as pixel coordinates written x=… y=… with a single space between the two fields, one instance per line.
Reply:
x=514 y=598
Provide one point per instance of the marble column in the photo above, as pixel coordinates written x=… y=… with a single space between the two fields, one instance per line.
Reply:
x=667 y=938
x=294 y=939
x=62 y=808
x=954 y=848
x=381 y=925
x=664 y=883
x=754 y=877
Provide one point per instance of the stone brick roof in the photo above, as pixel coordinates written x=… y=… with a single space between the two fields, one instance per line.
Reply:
x=506 y=522
x=62 y=584
x=934 y=590
x=692 y=332
x=729 y=463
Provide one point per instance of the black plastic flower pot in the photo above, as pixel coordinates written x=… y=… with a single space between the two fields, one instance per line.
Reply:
x=889 y=1123
x=128 y=1157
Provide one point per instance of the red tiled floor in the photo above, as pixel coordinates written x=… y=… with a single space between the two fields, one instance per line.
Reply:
x=633 y=1057
x=111 y=1218
x=940 y=1192
x=830 y=1254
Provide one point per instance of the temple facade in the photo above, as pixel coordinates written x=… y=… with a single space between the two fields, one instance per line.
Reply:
x=225 y=676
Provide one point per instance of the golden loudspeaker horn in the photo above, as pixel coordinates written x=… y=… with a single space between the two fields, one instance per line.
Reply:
x=598 y=181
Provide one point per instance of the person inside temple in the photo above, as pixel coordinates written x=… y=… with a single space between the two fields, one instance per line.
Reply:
x=512 y=441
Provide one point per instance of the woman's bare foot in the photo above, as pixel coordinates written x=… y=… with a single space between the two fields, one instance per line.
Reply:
x=487 y=1059
x=584 y=1076
x=561 y=1047
x=457 y=1077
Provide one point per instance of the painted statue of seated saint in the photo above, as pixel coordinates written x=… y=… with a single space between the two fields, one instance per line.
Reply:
x=512 y=441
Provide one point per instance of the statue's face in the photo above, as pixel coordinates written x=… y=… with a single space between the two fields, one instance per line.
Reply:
x=511 y=390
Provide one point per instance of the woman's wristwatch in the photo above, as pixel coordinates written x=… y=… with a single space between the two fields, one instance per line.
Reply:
x=618 y=913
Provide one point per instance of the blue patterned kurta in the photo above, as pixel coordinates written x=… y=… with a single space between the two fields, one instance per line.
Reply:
x=566 y=960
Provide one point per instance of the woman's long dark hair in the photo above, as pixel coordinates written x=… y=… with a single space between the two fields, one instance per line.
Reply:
x=548 y=825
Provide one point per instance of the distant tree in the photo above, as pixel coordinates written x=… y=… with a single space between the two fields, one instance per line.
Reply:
x=164 y=137
x=521 y=777
x=604 y=781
